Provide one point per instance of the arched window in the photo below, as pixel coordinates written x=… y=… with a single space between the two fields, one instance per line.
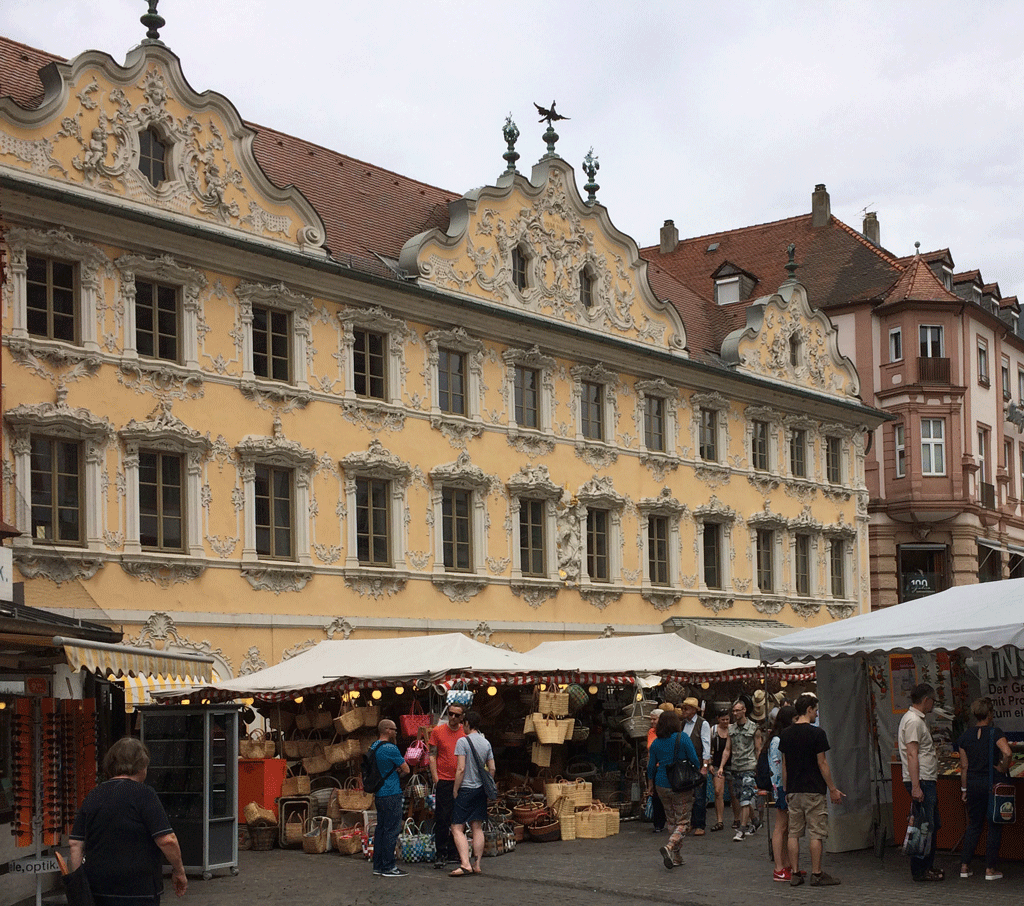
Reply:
x=152 y=157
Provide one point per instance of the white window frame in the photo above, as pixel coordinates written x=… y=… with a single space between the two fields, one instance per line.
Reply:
x=456 y=340
x=534 y=483
x=720 y=405
x=941 y=341
x=278 y=297
x=380 y=464
x=395 y=333
x=933 y=444
x=1004 y=379
x=277 y=452
x=812 y=546
x=725 y=289
x=90 y=265
x=842 y=457
x=667 y=506
x=899 y=440
x=664 y=391
x=772 y=420
x=188 y=282
x=844 y=577
x=984 y=375
x=896 y=344
x=166 y=434
x=461 y=475
x=544 y=366
x=599 y=494
x=1020 y=386
x=984 y=443
x=595 y=374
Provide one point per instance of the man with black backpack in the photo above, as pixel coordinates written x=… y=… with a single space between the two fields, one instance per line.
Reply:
x=382 y=767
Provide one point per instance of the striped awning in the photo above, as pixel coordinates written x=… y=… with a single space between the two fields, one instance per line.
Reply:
x=138 y=690
x=124 y=660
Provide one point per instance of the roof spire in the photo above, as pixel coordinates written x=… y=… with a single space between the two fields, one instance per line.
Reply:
x=552 y=116
x=153 y=21
x=791 y=265
x=511 y=133
x=917 y=249
x=590 y=167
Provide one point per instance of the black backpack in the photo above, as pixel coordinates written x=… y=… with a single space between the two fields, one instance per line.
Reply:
x=763 y=772
x=373 y=779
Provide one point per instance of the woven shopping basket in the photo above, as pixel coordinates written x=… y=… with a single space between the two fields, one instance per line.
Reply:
x=567 y=825
x=556 y=703
x=340 y=751
x=352 y=798
x=295 y=784
x=550 y=731
x=348 y=841
x=591 y=824
x=349 y=719
x=294 y=828
x=261 y=838
x=257 y=745
x=318 y=838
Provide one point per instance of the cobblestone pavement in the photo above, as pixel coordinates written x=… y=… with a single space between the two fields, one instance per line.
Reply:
x=624 y=868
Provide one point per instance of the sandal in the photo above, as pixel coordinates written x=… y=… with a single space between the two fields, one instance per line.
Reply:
x=717 y=827
x=933 y=874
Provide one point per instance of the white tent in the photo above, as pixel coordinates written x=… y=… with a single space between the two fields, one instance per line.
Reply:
x=666 y=655
x=361 y=663
x=967 y=617
x=989 y=615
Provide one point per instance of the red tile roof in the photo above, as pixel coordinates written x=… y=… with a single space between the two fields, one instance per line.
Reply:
x=19 y=72
x=918 y=283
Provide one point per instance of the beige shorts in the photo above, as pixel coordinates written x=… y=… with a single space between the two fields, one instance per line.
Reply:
x=808 y=811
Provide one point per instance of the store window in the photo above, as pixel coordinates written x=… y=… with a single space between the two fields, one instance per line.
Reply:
x=6 y=758
x=923 y=570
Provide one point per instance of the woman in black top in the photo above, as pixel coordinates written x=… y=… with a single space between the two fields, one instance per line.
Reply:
x=984 y=758
x=719 y=739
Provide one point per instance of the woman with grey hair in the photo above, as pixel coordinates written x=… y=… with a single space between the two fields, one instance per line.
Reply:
x=122 y=833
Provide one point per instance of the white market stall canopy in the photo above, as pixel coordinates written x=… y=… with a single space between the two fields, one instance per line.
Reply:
x=338 y=666
x=972 y=617
x=667 y=655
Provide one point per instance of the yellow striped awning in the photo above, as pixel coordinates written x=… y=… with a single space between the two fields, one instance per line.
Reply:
x=138 y=690
x=124 y=660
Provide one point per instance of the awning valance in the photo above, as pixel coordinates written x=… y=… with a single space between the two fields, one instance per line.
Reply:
x=138 y=690
x=123 y=660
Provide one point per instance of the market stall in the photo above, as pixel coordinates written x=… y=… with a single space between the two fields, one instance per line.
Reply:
x=966 y=641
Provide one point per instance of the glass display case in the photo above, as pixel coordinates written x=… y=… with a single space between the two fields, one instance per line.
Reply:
x=194 y=770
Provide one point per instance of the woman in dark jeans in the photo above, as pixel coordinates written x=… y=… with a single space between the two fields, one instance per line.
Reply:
x=984 y=758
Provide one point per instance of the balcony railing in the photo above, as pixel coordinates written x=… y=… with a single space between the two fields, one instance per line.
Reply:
x=931 y=370
x=988 y=496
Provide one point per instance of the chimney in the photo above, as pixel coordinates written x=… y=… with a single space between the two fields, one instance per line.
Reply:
x=821 y=209
x=870 y=230
x=669 y=238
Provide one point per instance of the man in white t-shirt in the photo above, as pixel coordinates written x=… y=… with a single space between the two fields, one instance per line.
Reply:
x=920 y=773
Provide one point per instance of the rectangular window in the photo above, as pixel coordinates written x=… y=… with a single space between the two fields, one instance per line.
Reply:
x=983 y=450
x=597 y=545
x=156 y=320
x=837 y=567
x=766 y=560
x=592 y=410
x=709 y=435
x=271 y=343
x=657 y=549
x=451 y=382
x=759 y=446
x=531 y=537
x=983 y=377
x=1004 y=377
x=654 y=423
x=369 y=351
x=50 y=299
x=802 y=563
x=798 y=453
x=900 y=447
x=712 y=555
x=161 y=501
x=933 y=446
x=833 y=460
x=931 y=342
x=456 y=528
x=56 y=490
x=273 y=512
x=1020 y=387
x=527 y=392
x=1008 y=466
x=895 y=344
x=373 y=547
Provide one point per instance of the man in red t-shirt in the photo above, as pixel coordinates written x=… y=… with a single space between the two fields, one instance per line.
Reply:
x=442 y=771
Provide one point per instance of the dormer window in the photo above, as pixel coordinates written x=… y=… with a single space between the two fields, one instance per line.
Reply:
x=727 y=290
x=586 y=289
x=794 y=349
x=519 y=268
x=152 y=157
x=947 y=278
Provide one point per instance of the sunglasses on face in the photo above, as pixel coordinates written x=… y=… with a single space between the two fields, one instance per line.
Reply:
x=455 y=716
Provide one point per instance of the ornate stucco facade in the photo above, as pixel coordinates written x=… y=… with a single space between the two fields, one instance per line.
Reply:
x=224 y=430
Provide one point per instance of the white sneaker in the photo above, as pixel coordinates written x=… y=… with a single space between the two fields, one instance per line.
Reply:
x=739 y=836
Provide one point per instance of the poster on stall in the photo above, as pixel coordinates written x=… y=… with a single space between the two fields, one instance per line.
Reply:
x=904 y=677
x=1002 y=679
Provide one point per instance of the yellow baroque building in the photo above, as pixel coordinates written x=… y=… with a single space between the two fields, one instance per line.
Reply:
x=240 y=418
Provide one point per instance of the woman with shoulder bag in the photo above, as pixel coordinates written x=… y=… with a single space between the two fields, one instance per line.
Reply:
x=670 y=747
x=984 y=758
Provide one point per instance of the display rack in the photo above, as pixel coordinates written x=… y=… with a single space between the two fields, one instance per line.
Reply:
x=194 y=770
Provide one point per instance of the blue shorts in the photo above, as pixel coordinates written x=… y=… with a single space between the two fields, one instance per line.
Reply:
x=470 y=805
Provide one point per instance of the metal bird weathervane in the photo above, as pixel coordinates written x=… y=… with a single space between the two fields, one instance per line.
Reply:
x=550 y=116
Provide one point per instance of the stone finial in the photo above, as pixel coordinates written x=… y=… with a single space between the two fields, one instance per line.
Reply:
x=791 y=264
x=917 y=248
x=153 y=22
x=590 y=167
x=511 y=133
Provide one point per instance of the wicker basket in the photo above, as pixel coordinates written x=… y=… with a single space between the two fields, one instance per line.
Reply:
x=295 y=784
x=545 y=833
x=316 y=764
x=371 y=716
x=591 y=824
x=527 y=814
x=321 y=792
x=294 y=829
x=338 y=752
x=349 y=719
x=348 y=840
x=541 y=754
x=256 y=814
x=564 y=805
x=262 y=838
x=567 y=826
x=580 y=733
x=550 y=731
x=352 y=798
x=257 y=745
x=556 y=703
x=318 y=838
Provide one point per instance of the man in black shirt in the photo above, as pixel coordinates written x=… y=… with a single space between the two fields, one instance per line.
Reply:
x=806 y=779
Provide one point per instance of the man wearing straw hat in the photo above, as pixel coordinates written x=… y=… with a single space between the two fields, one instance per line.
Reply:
x=699 y=731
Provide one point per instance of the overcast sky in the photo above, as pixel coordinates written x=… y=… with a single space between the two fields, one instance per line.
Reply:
x=714 y=115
